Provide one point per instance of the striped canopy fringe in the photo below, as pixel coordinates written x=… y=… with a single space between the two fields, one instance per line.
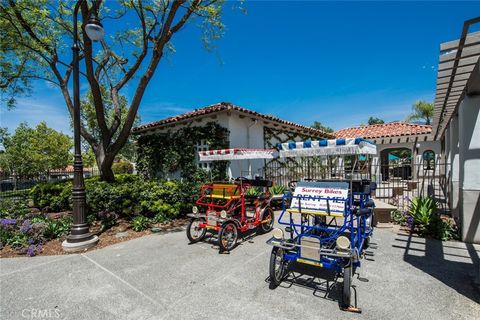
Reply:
x=348 y=146
x=236 y=154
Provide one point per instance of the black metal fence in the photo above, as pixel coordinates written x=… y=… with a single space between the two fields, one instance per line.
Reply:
x=18 y=187
x=396 y=183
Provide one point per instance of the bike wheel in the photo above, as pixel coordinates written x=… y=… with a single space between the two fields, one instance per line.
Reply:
x=228 y=236
x=269 y=217
x=277 y=267
x=194 y=232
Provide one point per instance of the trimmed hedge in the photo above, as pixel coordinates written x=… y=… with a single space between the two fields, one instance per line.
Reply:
x=129 y=195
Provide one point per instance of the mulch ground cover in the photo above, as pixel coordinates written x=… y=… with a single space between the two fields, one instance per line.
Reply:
x=119 y=233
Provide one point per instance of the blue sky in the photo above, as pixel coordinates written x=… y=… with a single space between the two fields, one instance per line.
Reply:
x=334 y=62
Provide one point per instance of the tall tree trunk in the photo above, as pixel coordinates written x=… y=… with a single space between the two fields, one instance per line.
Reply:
x=104 y=162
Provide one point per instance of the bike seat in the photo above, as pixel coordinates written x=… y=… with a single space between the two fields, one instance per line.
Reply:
x=370 y=204
x=362 y=211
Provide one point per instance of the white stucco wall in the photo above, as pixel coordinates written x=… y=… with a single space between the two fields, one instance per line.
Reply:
x=245 y=132
x=469 y=160
x=469 y=137
x=454 y=151
x=454 y=159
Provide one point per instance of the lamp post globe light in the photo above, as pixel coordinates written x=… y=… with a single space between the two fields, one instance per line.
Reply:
x=80 y=237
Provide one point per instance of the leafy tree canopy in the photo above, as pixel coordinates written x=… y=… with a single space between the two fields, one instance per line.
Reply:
x=37 y=36
x=320 y=126
x=34 y=151
x=89 y=119
x=373 y=120
x=422 y=112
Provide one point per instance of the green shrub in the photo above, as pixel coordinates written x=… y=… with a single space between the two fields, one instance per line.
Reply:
x=253 y=192
x=399 y=217
x=55 y=228
x=162 y=198
x=105 y=197
x=107 y=220
x=52 y=195
x=122 y=167
x=8 y=228
x=443 y=229
x=140 y=223
x=11 y=208
x=124 y=178
x=159 y=218
x=423 y=211
x=160 y=208
x=17 y=240
x=22 y=234
x=129 y=195
x=25 y=231
x=4 y=237
x=277 y=189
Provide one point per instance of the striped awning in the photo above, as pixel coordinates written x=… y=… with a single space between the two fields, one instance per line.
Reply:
x=236 y=154
x=348 y=146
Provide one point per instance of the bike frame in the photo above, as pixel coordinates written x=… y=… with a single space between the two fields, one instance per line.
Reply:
x=232 y=203
x=330 y=258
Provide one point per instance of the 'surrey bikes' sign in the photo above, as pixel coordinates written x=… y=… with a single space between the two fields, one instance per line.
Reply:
x=328 y=198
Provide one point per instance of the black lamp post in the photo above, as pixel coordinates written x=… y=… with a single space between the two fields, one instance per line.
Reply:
x=80 y=237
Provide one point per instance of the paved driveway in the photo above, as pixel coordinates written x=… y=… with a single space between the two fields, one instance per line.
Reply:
x=162 y=277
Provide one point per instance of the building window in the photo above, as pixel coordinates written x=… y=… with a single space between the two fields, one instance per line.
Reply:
x=428 y=160
x=202 y=146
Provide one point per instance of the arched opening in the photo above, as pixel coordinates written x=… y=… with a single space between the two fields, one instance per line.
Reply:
x=428 y=158
x=396 y=163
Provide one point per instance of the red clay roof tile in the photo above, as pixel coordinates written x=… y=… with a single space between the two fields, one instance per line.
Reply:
x=392 y=129
x=225 y=106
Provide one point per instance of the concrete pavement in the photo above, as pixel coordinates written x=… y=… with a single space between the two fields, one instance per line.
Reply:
x=163 y=277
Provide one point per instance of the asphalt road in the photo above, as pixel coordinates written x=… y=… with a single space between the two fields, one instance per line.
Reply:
x=163 y=277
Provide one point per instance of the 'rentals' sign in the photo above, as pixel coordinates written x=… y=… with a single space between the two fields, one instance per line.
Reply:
x=320 y=198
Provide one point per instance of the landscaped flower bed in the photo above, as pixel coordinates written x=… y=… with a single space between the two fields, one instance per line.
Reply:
x=423 y=218
x=116 y=212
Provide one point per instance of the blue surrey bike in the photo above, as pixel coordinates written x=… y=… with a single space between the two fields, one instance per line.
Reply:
x=328 y=223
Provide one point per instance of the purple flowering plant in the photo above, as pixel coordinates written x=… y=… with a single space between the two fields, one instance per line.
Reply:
x=26 y=226
x=20 y=228
x=7 y=221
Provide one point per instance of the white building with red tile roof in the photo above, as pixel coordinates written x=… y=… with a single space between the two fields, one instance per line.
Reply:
x=386 y=130
x=394 y=136
x=248 y=129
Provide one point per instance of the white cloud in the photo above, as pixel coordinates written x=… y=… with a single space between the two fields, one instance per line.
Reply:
x=35 y=110
x=157 y=110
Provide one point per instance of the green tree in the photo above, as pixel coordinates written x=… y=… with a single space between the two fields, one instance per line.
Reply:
x=127 y=152
x=422 y=111
x=34 y=151
x=374 y=120
x=88 y=157
x=320 y=126
x=36 y=41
